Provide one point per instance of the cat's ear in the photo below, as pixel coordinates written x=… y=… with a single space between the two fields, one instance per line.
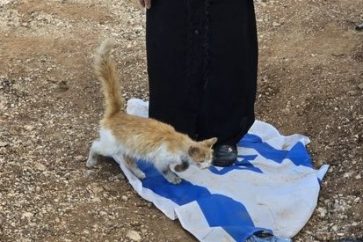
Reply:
x=210 y=142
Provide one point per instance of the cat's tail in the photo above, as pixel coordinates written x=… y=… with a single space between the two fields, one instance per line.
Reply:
x=105 y=69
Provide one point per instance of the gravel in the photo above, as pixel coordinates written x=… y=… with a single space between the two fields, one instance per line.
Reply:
x=310 y=82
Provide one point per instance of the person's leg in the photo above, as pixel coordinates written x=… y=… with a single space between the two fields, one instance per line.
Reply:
x=202 y=64
x=167 y=56
x=227 y=109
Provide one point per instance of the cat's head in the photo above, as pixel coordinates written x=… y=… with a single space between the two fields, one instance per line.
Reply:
x=201 y=153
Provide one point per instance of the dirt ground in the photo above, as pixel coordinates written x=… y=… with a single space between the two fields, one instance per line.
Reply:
x=310 y=82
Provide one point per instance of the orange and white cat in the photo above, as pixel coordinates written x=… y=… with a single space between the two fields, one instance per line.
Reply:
x=136 y=137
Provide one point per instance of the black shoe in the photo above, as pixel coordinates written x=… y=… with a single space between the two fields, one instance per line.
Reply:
x=224 y=155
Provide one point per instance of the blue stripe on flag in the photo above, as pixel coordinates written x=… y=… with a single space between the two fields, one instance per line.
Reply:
x=244 y=164
x=218 y=210
x=297 y=154
x=232 y=216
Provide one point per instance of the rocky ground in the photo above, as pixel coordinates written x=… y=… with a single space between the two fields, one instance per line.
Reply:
x=310 y=82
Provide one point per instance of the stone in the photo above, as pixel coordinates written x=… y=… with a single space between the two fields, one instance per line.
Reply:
x=133 y=235
x=40 y=167
x=96 y=188
x=79 y=158
x=334 y=228
x=29 y=127
x=322 y=212
x=275 y=24
x=120 y=176
x=27 y=215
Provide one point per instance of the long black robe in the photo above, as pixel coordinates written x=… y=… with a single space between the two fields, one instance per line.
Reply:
x=202 y=66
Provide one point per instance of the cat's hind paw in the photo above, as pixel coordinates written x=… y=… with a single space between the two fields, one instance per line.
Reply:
x=91 y=163
x=141 y=175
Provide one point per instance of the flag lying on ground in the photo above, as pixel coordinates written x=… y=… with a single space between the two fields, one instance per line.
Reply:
x=273 y=188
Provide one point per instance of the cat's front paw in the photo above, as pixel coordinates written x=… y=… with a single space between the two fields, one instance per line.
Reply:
x=174 y=179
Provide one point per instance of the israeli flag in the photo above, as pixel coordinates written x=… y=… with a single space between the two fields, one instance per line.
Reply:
x=272 y=189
